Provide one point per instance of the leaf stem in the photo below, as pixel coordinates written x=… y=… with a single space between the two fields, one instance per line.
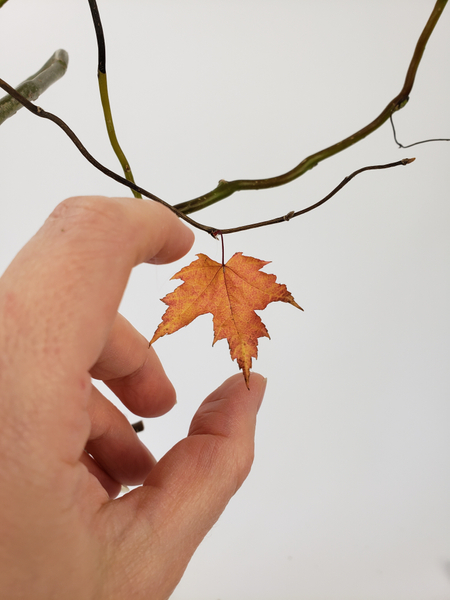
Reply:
x=104 y=96
x=227 y=188
x=223 y=250
x=36 y=84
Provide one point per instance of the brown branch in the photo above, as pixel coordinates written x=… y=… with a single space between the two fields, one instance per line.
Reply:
x=293 y=214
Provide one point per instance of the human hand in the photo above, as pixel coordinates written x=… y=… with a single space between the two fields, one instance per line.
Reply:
x=65 y=449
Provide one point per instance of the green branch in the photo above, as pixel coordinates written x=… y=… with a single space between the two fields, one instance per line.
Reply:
x=104 y=96
x=103 y=87
x=227 y=188
x=2 y=2
x=36 y=84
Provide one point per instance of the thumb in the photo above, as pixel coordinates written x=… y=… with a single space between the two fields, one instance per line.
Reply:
x=191 y=485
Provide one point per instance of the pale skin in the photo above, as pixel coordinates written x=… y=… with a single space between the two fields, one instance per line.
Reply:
x=65 y=449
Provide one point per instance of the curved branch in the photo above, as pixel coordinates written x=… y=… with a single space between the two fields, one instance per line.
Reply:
x=36 y=84
x=398 y=102
x=36 y=110
x=227 y=188
x=104 y=96
x=338 y=188
x=39 y=112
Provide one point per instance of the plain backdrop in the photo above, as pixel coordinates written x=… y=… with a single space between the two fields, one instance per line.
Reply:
x=349 y=496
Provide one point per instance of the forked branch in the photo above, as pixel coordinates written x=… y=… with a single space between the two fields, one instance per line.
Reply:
x=224 y=188
x=39 y=112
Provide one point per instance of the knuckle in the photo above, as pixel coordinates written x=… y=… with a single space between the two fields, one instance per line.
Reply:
x=226 y=443
x=77 y=205
x=97 y=213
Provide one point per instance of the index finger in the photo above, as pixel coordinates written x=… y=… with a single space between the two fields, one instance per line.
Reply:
x=71 y=276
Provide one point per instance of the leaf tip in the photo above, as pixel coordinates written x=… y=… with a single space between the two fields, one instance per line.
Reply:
x=246 y=374
x=155 y=337
x=291 y=300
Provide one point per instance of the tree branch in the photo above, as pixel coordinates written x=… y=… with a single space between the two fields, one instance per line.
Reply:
x=104 y=96
x=227 y=188
x=36 y=84
x=214 y=231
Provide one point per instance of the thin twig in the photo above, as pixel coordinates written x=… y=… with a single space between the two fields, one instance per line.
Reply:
x=104 y=96
x=415 y=143
x=293 y=214
x=36 y=84
x=39 y=112
x=227 y=188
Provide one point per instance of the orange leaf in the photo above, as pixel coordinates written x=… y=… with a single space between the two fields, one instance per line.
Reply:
x=231 y=293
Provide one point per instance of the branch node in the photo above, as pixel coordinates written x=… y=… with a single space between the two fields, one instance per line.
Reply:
x=289 y=216
x=401 y=104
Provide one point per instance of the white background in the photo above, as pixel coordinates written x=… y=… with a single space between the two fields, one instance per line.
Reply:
x=349 y=496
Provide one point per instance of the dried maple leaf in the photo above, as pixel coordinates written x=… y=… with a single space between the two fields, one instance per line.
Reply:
x=231 y=292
